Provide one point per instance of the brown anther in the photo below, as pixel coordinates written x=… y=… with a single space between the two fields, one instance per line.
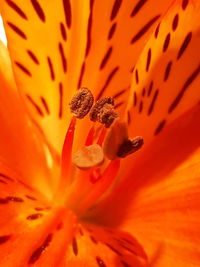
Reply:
x=130 y=146
x=103 y=111
x=115 y=137
x=88 y=156
x=81 y=103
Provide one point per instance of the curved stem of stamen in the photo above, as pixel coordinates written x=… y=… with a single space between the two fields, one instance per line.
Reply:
x=90 y=137
x=66 y=165
x=101 y=186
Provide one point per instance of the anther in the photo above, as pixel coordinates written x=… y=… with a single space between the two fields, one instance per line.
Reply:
x=88 y=156
x=130 y=146
x=116 y=136
x=103 y=112
x=81 y=103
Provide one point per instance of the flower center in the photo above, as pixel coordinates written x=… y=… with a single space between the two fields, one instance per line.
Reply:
x=87 y=175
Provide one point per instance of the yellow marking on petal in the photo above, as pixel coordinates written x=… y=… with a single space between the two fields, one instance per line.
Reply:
x=170 y=74
x=72 y=47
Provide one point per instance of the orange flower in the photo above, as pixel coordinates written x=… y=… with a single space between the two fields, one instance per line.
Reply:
x=146 y=55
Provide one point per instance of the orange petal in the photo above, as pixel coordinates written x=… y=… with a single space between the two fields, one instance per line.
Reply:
x=34 y=233
x=54 y=53
x=159 y=200
x=100 y=246
x=20 y=147
x=166 y=77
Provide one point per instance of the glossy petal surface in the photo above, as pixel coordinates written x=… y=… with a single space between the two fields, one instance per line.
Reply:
x=54 y=53
x=20 y=147
x=160 y=199
x=166 y=77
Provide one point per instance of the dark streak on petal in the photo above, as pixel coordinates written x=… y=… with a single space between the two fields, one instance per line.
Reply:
x=157 y=31
x=93 y=240
x=106 y=58
x=118 y=104
x=38 y=252
x=150 y=88
x=121 y=92
x=44 y=102
x=75 y=246
x=113 y=249
x=81 y=232
x=63 y=31
x=140 y=107
x=137 y=7
x=112 y=31
x=17 y=30
x=81 y=75
x=63 y=58
x=110 y=77
x=67 y=10
x=61 y=100
x=187 y=83
x=144 y=29
x=135 y=99
x=184 y=45
x=34 y=216
x=100 y=262
x=3 y=182
x=125 y=264
x=37 y=108
x=15 y=199
x=23 y=68
x=31 y=198
x=89 y=29
x=4 y=238
x=160 y=127
x=184 y=4
x=167 y=70
x=175 y=22
x=3 y=201
x=38 y=10
x=136 y=76
x=115 y=9
x=151 y=107
x=6 y=177
x=128 y=249
x=166 y=42
x=51 y=69
x=16 y=9
x=148 y=59
x=33 y=57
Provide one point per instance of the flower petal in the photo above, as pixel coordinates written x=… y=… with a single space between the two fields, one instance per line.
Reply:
x=18 y=139
x=54 y=53
x=159 y=201
x=35 y=233
x=101 y=246
x=166 y=76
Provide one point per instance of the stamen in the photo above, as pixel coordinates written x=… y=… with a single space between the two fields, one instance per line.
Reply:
x=88 y=156
x=116 y=136
x=103 y=111
x=130 y=146
x=90 y=137
x=81 y=103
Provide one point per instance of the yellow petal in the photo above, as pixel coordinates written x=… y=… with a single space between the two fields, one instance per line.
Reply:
x=166 y=77
x=58 y=46
x=20 y=148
